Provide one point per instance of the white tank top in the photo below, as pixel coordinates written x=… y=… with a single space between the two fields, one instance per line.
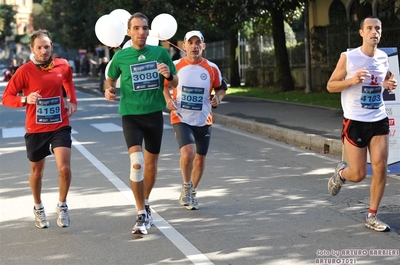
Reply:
x=364 y=102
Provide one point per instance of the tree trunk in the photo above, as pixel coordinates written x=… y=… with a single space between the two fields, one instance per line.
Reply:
x=285 y=81
x=234 y=78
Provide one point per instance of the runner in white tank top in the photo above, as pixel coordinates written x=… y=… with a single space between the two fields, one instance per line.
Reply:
x=361 y=75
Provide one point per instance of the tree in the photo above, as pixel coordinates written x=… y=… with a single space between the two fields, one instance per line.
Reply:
x=72 y=22
x=7 y=19
x=270 y=19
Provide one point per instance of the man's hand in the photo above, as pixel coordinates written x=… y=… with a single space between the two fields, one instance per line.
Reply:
x=391 y=83
x=359 y=77
x=109 y=94
x=71 y=109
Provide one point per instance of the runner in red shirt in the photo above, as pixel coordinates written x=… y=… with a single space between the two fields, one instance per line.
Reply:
x=47 y=119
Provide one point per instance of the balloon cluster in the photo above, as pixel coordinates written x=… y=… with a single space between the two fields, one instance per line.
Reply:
x=111 y=28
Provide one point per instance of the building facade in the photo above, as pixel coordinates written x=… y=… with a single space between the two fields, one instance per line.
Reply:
x=23 y=18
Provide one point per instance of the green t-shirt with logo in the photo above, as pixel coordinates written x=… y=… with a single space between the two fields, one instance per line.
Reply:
x=141 y=84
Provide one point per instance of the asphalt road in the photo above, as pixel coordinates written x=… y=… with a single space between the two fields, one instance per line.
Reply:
x=261 y=202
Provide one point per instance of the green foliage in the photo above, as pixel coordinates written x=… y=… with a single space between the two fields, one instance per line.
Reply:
x=72 y=22
x=323 y=98
x=7 y=18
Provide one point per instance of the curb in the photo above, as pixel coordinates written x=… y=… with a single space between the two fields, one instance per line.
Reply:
x=297 y=138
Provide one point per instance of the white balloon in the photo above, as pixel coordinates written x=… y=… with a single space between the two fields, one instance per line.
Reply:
x=123 y=15
x=152 y=39
x=110 y=30
x=118 y=83
x=165 y=26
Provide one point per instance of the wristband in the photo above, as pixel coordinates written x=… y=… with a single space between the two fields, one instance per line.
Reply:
x=170 y=78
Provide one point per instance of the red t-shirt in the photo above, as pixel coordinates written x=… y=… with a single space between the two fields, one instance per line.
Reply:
x=49 y=114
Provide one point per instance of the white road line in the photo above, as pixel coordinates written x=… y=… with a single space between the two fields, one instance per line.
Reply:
x=19 y=132
x=187 y=249
x=107 y=127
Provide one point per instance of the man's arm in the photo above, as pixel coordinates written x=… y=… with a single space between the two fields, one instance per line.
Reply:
x=337 y=83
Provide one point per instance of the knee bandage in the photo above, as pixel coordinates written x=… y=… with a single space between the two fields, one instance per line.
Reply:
x=137 y=160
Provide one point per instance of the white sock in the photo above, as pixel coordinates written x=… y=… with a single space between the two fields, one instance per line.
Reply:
x=38 y=206
x=146 y=202
x=60 y=204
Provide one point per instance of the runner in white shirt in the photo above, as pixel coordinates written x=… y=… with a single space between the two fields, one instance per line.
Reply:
x=191 y=114
x=361 y=75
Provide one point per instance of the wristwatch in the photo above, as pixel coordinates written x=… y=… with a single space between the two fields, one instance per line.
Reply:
x=24 y=100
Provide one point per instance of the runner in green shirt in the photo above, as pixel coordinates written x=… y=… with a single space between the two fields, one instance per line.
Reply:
x=142 y=69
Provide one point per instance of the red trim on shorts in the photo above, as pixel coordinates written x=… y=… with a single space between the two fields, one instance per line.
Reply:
x=346 y=124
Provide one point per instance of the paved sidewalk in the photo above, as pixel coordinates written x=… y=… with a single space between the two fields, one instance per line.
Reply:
x=309 y=127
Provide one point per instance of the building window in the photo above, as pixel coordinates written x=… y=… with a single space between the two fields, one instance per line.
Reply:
x=337 y=13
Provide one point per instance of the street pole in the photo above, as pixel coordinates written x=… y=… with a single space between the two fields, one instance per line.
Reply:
x=307 y=46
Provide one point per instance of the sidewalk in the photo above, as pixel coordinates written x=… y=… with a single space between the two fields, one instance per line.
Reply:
x=309 y=127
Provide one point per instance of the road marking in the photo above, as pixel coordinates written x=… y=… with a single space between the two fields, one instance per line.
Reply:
x=13 y=132
x=187 y=249
x=19 y=132
x=107 y=127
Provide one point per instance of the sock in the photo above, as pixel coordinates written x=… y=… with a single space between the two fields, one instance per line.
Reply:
x=38 y=206
x=190 y=182
x=60 y=204
x=146 y=202
x=371 y=211
x=142 y=212
x=340 y=176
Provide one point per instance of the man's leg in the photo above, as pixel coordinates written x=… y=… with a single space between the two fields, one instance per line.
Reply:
x=357 y=162
x=188 y=153
x=137 y=186
x=63 y=161
x=35 y=179
x=150 y=172
x=198 y=169
x=378 y=148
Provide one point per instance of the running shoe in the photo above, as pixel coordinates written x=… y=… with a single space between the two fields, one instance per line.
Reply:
x=140 y=225
x=63 y=217
x=40 y=218
x=374 y=223
x=335 y=183
x=150 y=220
x=194 y=205
x=186 y=195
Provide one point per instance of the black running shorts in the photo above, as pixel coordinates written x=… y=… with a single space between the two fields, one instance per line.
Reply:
x=187 y=134
x=359 y=133
x=40 y=145
x=147 y=127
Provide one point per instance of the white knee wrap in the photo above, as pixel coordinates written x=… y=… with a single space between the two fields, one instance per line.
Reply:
x=137 y=159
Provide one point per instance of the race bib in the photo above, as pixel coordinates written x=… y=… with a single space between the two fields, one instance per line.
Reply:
x=48 y=110
x=192 y=98
x=371 y=97
x=145 y=76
